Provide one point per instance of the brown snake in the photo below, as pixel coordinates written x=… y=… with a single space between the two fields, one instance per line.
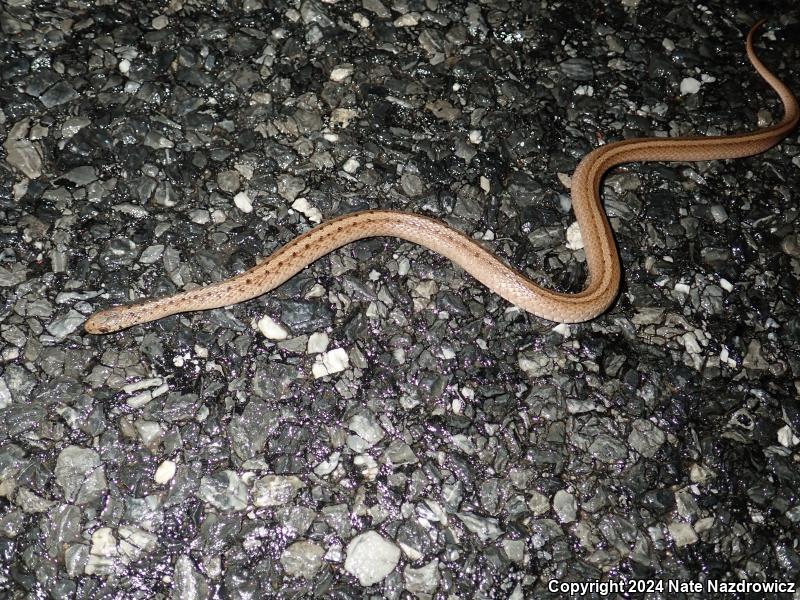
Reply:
x=602 y=259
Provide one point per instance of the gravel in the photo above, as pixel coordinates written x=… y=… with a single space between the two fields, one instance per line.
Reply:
x=382 y=425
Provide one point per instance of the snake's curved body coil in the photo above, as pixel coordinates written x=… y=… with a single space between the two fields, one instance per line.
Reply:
x=602 y=259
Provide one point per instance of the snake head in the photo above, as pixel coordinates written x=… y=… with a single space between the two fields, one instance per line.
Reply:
x=96 y=325
x=105 y=321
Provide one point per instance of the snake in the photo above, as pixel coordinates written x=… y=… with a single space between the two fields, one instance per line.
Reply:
x=602 y=260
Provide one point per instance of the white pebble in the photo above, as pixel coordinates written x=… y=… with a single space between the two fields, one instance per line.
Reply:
x=124 y=66
x=159 y=22
x=475 y=136
x=725 y=284
x=152 y=254
x=261 y=98
x=317 y=342
x=150 y=432
x=73 y=125
x=403 y=267
x=367 y=428
x=786 y=437
x=351 y=166
x=142 y=384
x=700 y=474
x=690 y=85
x=302 y=559
x=682 y=534
x=574 y=238
x=142 y=398
x=362 y=20
x=341 y=117
x=312 y=213
x=563 y=329
x=408 y=20
x=371 y=557
x=165 y=472
x=682 y=288
x=331 y=362
x=103 y=542
x=271 y=329
x=316 y=291
x=200 y=216
x=691 y=344
x=327 y=466
x=134 y=542
x=275 y=490
x=718 y=213
x=565 y=506
x=341 y=72
x=366 y=466
x=725 y=357
x=243 y=203
x=246 y=170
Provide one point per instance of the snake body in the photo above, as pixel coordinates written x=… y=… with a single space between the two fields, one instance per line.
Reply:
x=603 y=264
